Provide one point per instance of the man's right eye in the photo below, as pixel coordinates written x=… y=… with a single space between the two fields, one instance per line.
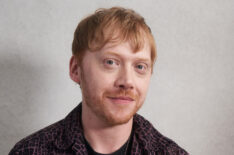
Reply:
x=111 y=63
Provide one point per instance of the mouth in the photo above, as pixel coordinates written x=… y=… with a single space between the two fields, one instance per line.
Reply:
x=121 y=99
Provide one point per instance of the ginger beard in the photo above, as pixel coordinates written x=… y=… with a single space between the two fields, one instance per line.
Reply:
x=104 y=109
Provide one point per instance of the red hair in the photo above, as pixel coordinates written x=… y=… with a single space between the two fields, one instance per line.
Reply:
x=112 y=25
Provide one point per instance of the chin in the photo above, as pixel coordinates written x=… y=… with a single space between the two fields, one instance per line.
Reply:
x=119 y=118
x=118 y=121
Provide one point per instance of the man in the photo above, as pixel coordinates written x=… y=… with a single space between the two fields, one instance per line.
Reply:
x=113 y=56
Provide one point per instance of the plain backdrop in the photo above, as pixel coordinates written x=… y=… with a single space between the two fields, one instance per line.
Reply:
x=191 y=95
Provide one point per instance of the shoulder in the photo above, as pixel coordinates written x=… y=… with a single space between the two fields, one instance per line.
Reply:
x=152 y=140
x=40 y=141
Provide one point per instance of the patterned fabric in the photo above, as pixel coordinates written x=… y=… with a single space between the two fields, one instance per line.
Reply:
x=66 y=138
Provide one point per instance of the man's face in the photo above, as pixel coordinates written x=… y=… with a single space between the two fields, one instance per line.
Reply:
x=114 y=81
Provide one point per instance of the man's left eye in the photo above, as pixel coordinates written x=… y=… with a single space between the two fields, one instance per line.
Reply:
x=140 y=67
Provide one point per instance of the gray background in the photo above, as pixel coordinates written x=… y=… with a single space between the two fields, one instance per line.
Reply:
x=191 y=94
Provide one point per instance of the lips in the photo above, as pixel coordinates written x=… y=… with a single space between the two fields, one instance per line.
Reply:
x=121 y=99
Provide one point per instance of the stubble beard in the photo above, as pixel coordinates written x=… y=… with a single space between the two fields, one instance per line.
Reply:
x=106 y=111
x=111 y=114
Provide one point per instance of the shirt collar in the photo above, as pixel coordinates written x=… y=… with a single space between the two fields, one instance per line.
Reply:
x=72 y=133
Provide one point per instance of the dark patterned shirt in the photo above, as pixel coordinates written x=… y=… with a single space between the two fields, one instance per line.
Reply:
x=66 y=138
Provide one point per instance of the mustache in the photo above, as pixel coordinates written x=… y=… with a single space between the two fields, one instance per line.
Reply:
x=122 y=93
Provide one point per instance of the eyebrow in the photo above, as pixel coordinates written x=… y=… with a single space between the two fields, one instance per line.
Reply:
x=117 y=55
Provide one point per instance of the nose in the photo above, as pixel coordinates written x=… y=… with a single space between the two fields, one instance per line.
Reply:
x=125 y=79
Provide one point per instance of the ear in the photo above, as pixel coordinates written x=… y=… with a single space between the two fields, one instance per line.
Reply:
x=74 y=70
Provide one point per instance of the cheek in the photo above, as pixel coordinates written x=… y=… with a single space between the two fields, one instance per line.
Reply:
x=143 y=85
x=98 y=81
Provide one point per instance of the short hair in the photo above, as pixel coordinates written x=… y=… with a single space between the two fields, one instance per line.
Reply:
x=114 y=25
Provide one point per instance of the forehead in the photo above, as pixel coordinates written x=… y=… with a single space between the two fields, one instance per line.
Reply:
x=124 y=49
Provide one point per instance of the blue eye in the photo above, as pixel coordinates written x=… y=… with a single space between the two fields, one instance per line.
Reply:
x=110 y=62
x=140 y=66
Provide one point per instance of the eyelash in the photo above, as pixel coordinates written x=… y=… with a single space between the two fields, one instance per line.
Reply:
x=141 y=66
x=143 y=69
x=110 y=60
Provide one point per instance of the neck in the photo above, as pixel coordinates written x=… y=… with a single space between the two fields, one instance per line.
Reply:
x=102 y=137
